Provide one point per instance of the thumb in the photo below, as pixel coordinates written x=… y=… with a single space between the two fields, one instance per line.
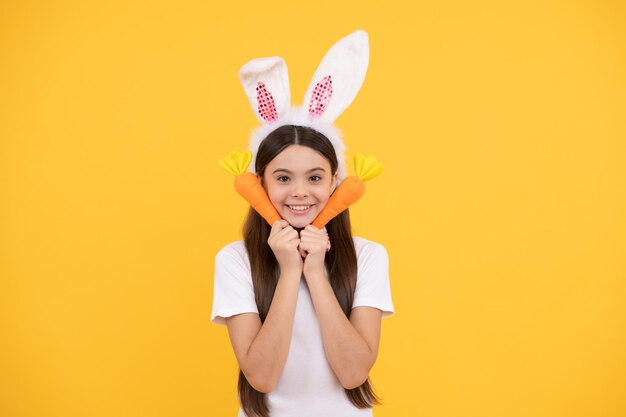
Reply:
x=303 y=253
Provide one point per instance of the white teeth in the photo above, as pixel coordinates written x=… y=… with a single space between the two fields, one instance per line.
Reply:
x=299 y=208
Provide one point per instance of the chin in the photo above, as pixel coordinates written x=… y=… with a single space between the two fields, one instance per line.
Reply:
x=300 y=223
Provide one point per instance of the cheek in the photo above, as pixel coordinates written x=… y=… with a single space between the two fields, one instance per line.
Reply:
x=276 y=195
x=323 y=196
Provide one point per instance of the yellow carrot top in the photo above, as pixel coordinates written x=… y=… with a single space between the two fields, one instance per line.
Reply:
x=236 y=162
x=366 y=167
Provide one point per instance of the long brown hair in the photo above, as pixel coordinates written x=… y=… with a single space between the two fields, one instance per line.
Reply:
x=341 y=261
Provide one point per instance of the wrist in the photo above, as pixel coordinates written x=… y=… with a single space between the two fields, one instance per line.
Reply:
x=316 y=275
x=292 y=273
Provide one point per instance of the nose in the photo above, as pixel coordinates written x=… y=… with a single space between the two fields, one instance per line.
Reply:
x=299 y=189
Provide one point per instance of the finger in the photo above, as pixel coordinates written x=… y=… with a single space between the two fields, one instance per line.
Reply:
x=314 y=240
x=315 y=229
x=308 y=236
x=279 y=225
x=312 y=247
x=287 y=233
x=293 y=245
x=314 y=237
x=288 y=236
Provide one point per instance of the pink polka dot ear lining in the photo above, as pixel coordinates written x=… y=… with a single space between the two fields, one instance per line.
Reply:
x=267 y=106
x=321 y=96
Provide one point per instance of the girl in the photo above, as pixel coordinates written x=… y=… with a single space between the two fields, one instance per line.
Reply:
x=304 y=320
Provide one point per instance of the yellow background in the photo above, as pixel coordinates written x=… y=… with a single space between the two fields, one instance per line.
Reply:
x=503 y=204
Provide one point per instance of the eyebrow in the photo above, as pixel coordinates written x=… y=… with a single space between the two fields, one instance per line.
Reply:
x=289 y=172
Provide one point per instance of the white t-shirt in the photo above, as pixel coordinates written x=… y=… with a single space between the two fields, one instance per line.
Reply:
x=307 y=387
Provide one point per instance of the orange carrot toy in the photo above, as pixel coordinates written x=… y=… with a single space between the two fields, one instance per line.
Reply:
x=248 y=185
x=350 y=189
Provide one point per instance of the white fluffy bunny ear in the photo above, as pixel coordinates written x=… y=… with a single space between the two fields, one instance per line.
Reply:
x=266 y=84
x=338 y=77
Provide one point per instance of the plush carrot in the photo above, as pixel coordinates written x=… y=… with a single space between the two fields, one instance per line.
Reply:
x=248 y=185
x=350 y=189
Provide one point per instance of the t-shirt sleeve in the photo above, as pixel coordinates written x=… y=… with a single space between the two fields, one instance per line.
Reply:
x=372 y=285
x=233 y=292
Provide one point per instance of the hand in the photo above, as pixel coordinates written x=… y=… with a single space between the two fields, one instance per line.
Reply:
x=313 y=244
x=284 y=241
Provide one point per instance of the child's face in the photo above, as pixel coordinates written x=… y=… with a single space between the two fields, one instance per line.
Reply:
x=299 y=182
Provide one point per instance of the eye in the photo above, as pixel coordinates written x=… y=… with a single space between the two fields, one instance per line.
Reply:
x=316 y=178
x=282 y=178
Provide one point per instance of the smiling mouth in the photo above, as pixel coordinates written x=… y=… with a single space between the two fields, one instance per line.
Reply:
x=299 y=209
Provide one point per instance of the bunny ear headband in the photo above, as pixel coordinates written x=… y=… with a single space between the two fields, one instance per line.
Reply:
x=332 y=89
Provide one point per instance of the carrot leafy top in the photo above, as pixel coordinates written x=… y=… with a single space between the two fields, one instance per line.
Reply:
x=366 y=167
x=236 y=162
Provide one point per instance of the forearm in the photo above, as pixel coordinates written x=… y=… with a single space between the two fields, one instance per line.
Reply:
x=268 y=351
x=347 y=352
